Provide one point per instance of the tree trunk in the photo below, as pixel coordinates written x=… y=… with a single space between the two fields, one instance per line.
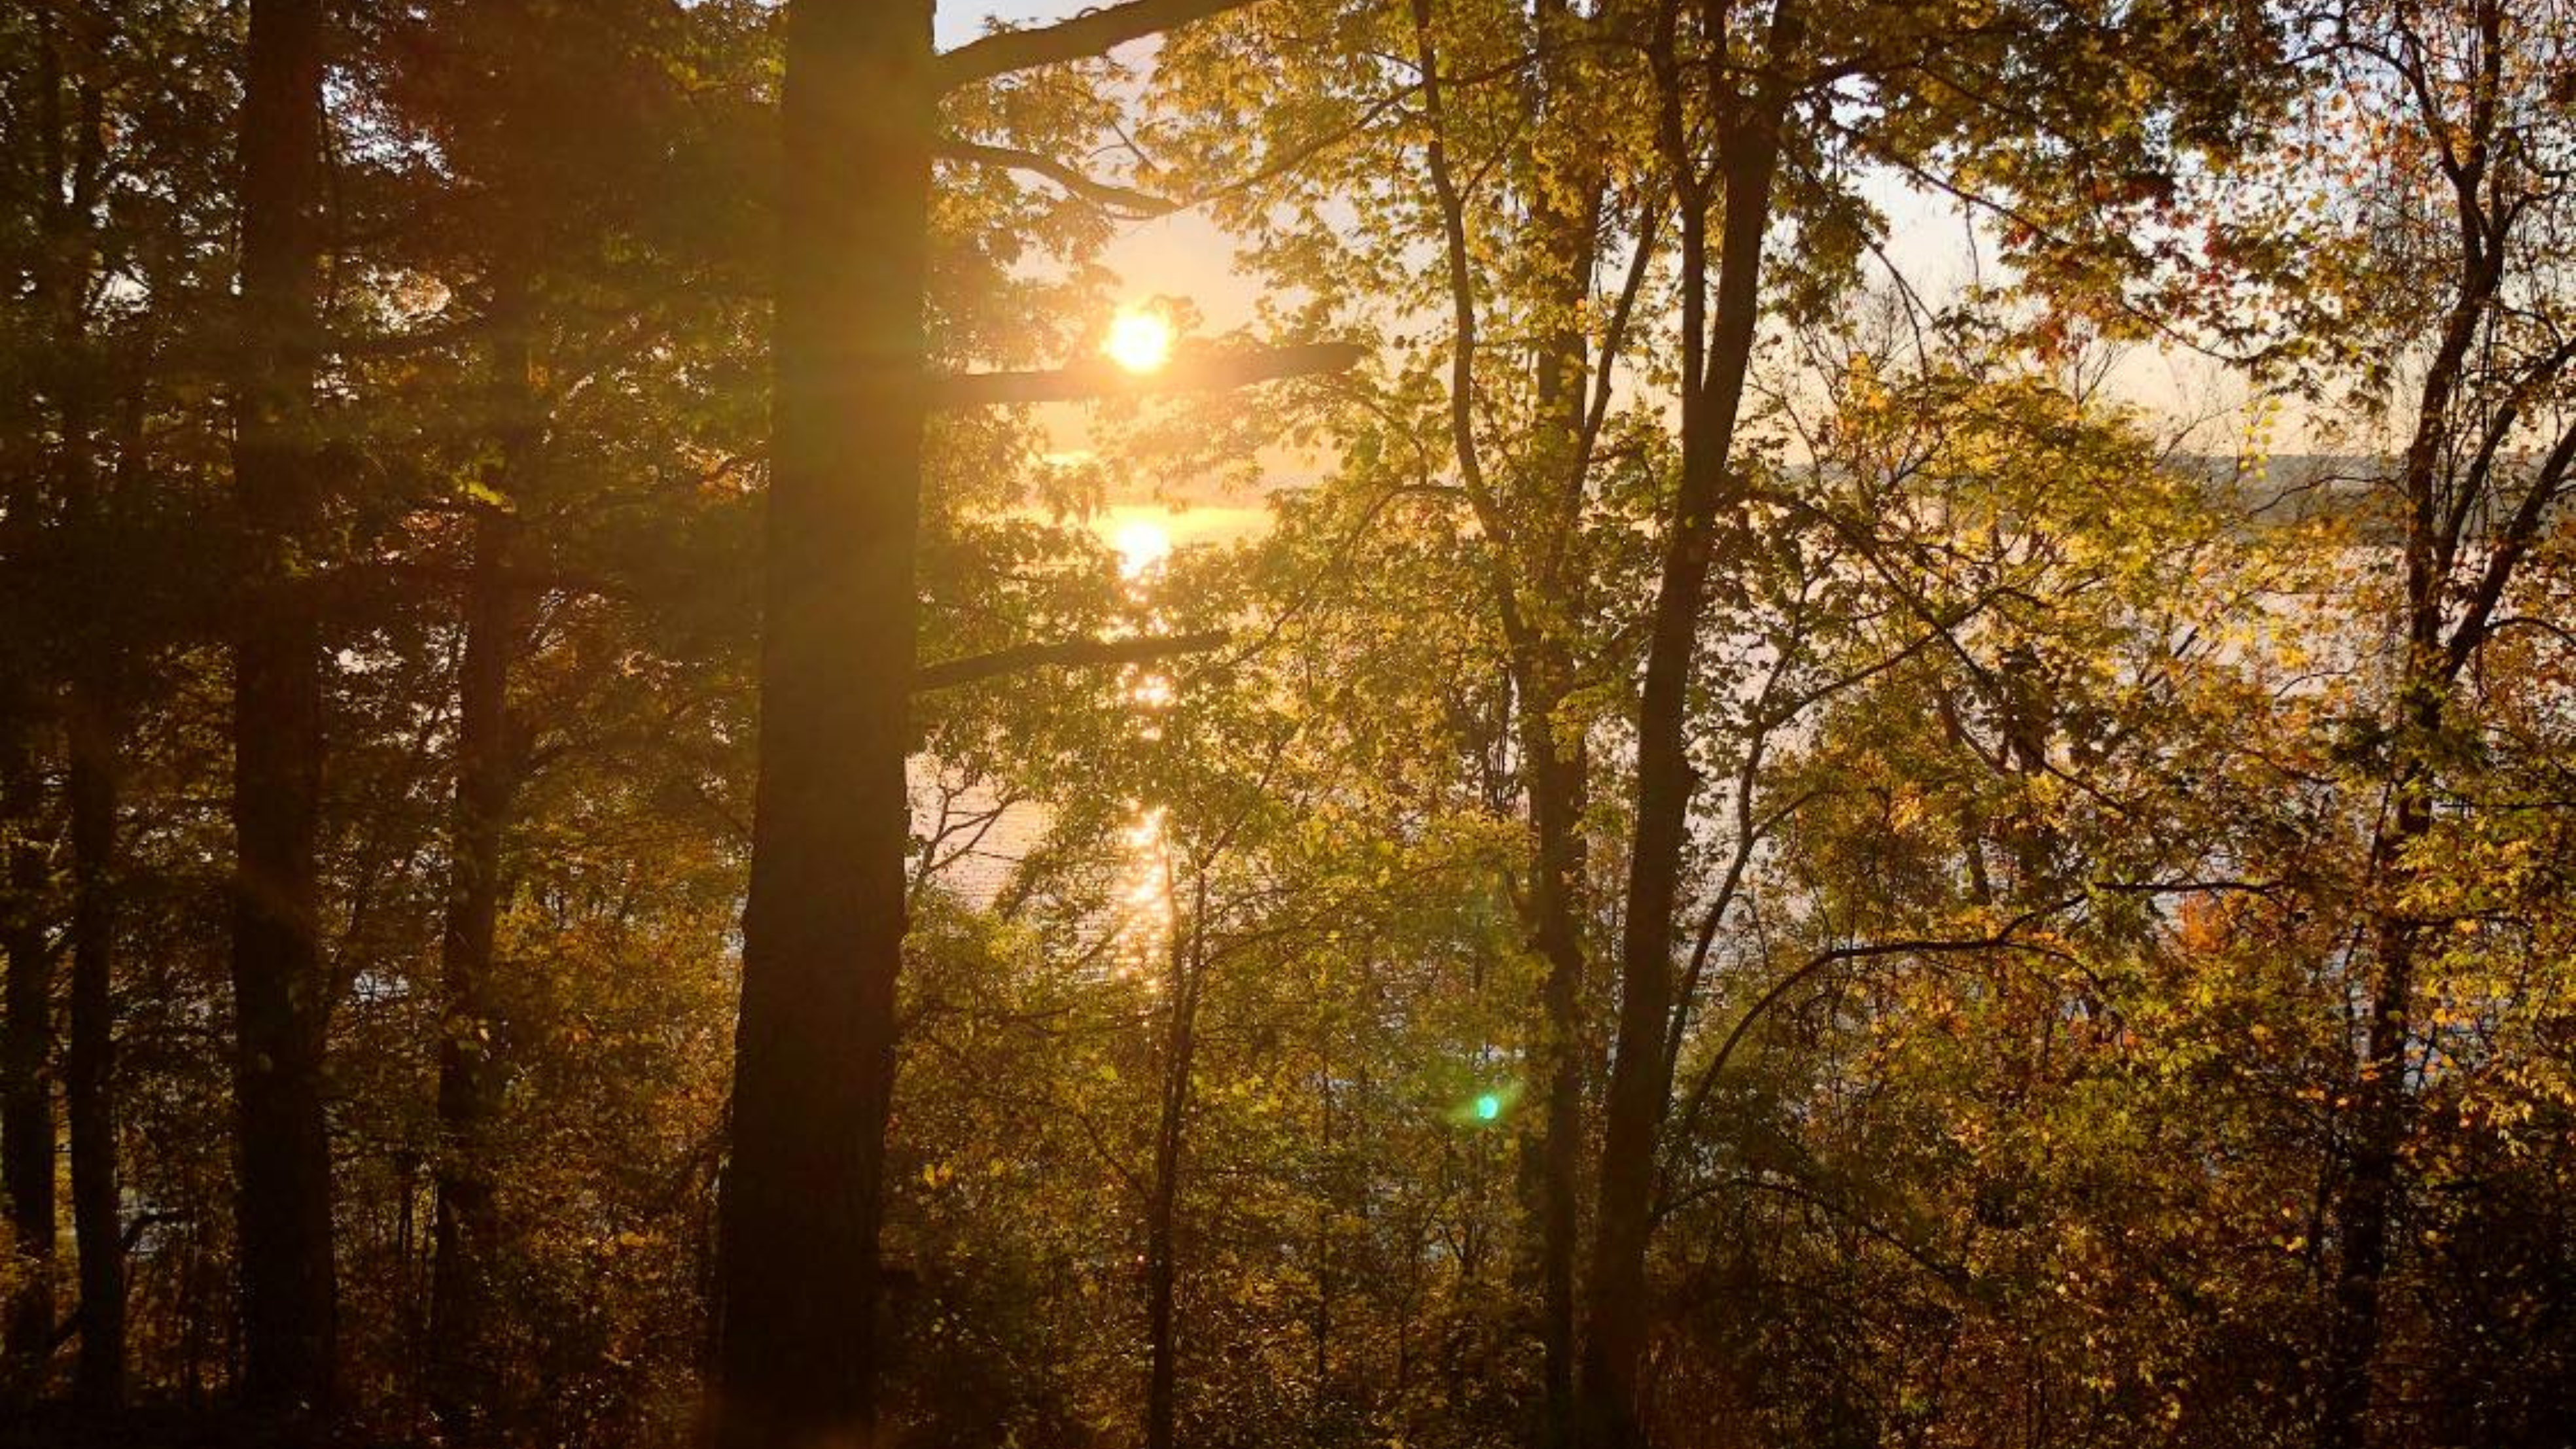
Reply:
x=824 y=926
x=1334 y=1190
x=281 y=1000
x=26 y=1094
x=1528 y=529
x=467 y=1229
x=89 y=1065
x=2370 y=1194
x=1557 y=769
x=2372 y=1186
x=1556 y=808
x=1611 y=1413
x=1162 y=1207
x=94 y=747
x=68 y=156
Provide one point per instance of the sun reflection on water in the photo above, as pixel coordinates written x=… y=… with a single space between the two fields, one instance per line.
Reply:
x=1144 y=896
x=1144 y=905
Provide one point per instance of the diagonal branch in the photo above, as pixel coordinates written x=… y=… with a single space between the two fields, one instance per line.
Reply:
x=2004 y=939
x=2547 y=487
x=1107 y=195
x=1093 y=32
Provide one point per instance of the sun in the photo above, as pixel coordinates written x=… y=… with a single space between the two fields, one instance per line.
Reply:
x=1140 y=340
x=1141 y=543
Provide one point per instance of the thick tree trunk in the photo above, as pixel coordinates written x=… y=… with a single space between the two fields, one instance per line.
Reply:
x=1611 y=1411
x=823 y=930
x=89 y=1065
x=280 y=994
x=26 y=1092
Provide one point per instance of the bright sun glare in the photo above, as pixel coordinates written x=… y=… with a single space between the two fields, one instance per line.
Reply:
x=1141 y=543
x=1139 y=340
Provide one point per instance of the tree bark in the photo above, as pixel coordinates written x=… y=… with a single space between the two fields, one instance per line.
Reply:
x=89 y=1064
x=1611 y=1413
x=94 y=747
x=1519 y=526
x=466 y=1230
x=1556 y=790
x=1543 y=668
x=26 y=1090
x=824 y=925
x=797 y=1256
x=1163 y=1205
x=2371 y=1191
x=2436 y=647
x=2373 y=1188
x=68 y=157
x=281 y=1000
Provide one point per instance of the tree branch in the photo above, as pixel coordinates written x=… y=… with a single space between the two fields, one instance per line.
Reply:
x=2002 y=940
x=1109 y=196
x=1093 y=32
x=2516 y=540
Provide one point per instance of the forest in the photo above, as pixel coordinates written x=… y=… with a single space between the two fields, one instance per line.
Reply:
x=1229 y=724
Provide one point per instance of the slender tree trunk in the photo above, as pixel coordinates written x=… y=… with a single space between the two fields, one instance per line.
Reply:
x=1519 y=527
x=2372 y=1187
x=466 y=1367
x=94 y=748
x=464 y=1374
x=26 y=1094
x=1162 y=1207
x=2370 y=1194
x=89 y=1065
x=1611 y=1413
x=69 y=160
x=1556 y=808
x=1556 y=783
x=1324 y=1281
x=467 y=1227
x=823 y=930
x=280 y=994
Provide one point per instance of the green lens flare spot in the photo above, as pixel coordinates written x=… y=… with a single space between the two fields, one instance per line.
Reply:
x=1488 y=1107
